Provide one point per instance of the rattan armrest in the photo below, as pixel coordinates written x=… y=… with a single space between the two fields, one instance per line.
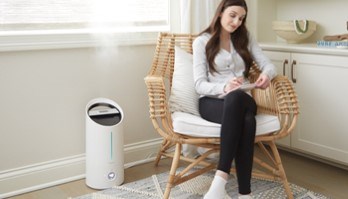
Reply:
x=279 y=99
x=158 y=105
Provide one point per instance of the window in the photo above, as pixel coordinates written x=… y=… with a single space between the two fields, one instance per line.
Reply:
x=47 y=24
x=119 y=15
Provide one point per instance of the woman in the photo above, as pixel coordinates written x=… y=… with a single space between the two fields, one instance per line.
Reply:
x=222 y=56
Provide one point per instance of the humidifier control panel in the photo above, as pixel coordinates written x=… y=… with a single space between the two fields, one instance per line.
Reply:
x=103 y=112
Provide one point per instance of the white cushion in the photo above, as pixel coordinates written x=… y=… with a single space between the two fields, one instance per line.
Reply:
x=196 y=126
x=183 y=97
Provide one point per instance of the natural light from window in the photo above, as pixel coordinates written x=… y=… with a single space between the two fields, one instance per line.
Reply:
x=95 y=15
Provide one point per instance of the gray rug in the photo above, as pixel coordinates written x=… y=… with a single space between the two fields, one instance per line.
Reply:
x=153 y=187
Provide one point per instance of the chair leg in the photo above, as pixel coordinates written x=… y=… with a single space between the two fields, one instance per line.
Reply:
x=159 y=155
x=281 y=169
x=173 y=168
x=163 y=150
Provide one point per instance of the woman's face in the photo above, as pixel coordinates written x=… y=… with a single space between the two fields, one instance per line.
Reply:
x=232 y=17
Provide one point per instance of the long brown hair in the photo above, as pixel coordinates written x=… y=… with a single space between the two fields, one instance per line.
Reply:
x=240 y=37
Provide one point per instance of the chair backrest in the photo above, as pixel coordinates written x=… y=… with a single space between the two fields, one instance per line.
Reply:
x=159 y=78
x=163 y=61
x=159 y=82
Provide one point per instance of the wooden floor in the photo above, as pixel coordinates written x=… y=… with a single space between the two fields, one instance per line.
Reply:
x=316 y=176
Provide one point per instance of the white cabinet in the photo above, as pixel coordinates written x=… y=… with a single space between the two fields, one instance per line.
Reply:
x=322 y=88
x=321 y=85
x=321 y=75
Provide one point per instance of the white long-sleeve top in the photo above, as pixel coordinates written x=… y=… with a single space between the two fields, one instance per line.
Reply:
x=227 y=64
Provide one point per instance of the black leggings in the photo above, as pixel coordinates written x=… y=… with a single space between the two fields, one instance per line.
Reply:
x=236 y=114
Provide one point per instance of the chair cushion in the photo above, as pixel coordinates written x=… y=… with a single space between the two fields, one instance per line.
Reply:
x=193 y=125
x=183 y=97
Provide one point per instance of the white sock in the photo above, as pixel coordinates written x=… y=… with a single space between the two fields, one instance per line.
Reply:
x=245 y=196
x=217 y=188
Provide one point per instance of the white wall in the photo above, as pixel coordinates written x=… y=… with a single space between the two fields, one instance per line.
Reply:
x=43 y=97
x=330 y=16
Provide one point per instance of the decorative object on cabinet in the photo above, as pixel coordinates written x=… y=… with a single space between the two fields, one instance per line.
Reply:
x=334 y=41
x=294 y=31
x=333 y=44
x=336 y=37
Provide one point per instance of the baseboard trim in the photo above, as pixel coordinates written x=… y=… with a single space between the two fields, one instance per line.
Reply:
x=51 y=173
x=316 y=157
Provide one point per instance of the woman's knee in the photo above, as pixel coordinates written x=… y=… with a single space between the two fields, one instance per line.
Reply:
x=234 y=98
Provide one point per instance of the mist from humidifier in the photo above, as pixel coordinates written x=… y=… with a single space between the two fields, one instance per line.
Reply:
x=107 y=14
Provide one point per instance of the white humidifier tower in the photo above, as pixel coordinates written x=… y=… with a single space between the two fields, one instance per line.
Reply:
x=104 y=144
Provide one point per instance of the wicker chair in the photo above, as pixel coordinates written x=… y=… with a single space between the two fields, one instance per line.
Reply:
x=279 y=100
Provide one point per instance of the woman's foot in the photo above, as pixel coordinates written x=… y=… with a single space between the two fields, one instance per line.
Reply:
x=217 y=189
x=245 y=196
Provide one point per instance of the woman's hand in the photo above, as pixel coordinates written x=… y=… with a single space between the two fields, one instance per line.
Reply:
x=263 y=81
x=233 y=84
